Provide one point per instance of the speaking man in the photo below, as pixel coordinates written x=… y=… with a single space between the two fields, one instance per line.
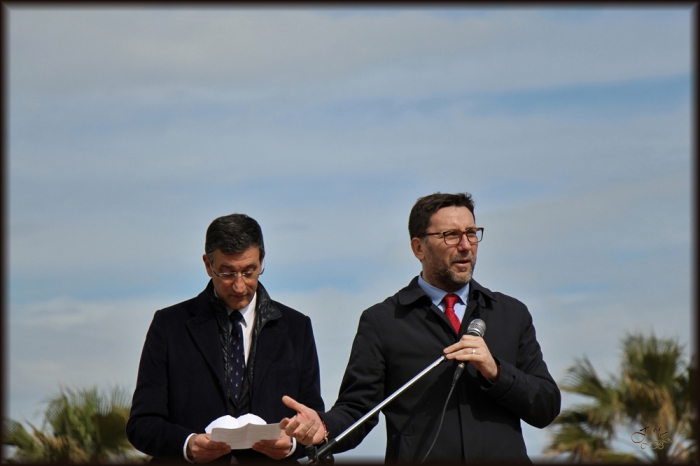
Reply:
x=230 y=350
x=506 y=379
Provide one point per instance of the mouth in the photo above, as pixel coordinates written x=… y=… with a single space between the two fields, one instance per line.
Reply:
x=462 y=263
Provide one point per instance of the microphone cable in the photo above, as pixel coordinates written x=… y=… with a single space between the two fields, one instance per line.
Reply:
x=455 y=378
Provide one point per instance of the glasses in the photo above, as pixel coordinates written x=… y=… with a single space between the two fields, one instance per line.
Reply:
x=453 y=237
x=231 y=276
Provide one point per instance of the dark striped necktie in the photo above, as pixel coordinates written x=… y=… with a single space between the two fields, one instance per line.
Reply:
x=236 y=354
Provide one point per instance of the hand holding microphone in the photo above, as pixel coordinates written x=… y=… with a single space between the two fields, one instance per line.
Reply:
x=472 y=348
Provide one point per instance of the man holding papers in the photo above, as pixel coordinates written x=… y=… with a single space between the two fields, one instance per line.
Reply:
x=231 y=350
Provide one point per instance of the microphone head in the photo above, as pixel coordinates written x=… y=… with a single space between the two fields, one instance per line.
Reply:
x=477 y=327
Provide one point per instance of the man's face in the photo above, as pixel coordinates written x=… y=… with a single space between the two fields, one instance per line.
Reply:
x=239 y=291
x=447 y=267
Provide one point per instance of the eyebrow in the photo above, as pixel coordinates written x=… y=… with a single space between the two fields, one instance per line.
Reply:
x=247 y=267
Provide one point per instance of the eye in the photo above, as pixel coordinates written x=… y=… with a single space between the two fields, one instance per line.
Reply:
x=452 y=234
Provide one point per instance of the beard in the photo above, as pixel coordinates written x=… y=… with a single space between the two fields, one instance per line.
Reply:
x=449 y=280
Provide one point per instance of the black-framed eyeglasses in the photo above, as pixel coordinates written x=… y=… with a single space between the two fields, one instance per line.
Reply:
x=453 y=237
x=231 y=276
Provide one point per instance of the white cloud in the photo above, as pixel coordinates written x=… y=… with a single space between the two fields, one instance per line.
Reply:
x=72 y=341
x=407 y=53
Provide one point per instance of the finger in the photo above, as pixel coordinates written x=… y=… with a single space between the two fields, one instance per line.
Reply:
x=315 y=435
x=267 y=443
x=312 y=430
x=284 y=423
x=292 y=426
x=261 y=448
x=217 y=448
x=319 y=436
x=204 y=440
x=290 y=402
x=463 y=343
x=303 y=429
x=205 y=454
x=464 y=354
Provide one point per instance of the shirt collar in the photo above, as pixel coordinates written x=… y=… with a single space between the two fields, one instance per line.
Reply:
x=247 y=312
x=436 y=295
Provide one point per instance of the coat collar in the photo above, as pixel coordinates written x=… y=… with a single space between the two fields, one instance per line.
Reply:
x=265 y=309
x=413 y=292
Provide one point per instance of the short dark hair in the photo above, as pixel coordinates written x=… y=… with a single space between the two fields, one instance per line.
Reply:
x=232 y=234
x=426 y=206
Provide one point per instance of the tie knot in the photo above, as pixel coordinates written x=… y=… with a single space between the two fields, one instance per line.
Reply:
x=450 y=300
x=235 y=317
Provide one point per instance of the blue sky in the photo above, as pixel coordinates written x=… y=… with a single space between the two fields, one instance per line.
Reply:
x=131 y=129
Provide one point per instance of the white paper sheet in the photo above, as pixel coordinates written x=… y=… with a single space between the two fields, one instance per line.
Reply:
x=243 y=432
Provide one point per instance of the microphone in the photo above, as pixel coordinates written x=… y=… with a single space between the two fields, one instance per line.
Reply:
x=477 y=328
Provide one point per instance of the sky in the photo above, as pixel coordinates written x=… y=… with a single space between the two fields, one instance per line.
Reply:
x=131 y=129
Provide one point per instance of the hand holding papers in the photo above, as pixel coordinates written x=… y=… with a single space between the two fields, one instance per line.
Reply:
x=243 y=432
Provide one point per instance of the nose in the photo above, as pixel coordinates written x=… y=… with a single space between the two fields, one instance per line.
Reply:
x=464 y=244
x=238 y=284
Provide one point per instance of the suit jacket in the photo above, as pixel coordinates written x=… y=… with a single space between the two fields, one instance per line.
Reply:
x=398 y=338
x=182 y=384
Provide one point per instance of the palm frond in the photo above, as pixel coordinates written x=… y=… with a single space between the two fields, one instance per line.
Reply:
x=653 y=389
x=80 y=425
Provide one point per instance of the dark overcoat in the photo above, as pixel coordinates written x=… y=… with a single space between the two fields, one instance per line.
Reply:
x=398 y=338
x=182 y=384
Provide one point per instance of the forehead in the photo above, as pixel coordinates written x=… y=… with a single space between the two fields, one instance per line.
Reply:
x=452 y=217
x=250 y=256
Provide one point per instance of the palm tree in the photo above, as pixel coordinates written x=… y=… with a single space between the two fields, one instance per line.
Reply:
x=85 y=426
x=653 y=390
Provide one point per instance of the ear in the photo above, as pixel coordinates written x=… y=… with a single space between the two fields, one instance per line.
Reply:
x=417 y=247
x=207 y=264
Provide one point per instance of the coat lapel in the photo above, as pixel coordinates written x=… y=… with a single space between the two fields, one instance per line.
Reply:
x=268 y=346
x=466 y=320
x=205 y=333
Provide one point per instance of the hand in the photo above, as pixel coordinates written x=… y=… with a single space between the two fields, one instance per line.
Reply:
x=275 y=449
x=481 y=359
x=204 y=450
x=306 y=426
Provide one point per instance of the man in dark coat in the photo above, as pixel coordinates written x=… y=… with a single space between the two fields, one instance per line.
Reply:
x=231 y=350
x=506 y=379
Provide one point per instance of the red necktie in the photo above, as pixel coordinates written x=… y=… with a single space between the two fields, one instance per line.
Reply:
x=450 y=300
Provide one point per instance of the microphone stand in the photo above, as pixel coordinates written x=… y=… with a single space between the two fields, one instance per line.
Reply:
x=324 y=455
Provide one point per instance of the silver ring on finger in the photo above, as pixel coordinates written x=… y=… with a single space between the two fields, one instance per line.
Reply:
x=473 y=351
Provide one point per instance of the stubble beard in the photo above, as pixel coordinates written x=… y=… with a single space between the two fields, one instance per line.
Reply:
x=451 y=281
x=454 y=281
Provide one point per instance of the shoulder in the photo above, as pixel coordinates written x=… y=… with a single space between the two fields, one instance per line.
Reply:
x=291 y=315
x=183 y=310
x=403 y=301
x=485 y=295
x=495 y=303
x=509 y=302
